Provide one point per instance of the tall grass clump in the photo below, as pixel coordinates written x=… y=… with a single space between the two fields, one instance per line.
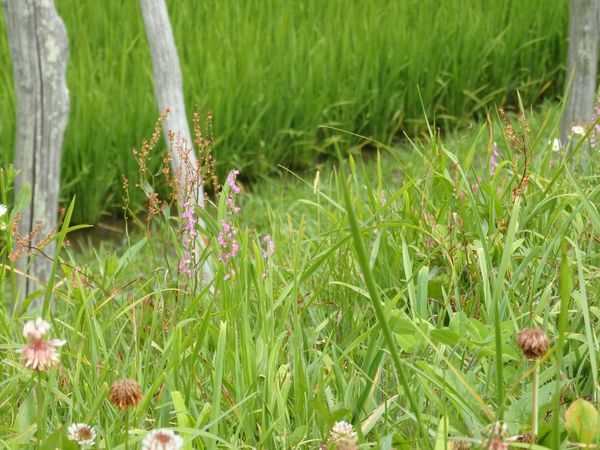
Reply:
x=273 y=72
x=444 y=297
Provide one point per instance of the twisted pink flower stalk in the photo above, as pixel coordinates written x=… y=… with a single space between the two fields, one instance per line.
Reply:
x=235 y=189
x=189 y=234
x=267 y=252
x=494 y=159
x=227 y=237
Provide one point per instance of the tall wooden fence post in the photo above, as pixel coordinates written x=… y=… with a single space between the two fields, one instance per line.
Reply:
x=582 y=64
x=39 y=50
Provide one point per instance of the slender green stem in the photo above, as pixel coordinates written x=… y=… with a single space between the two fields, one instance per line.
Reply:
x=534 y=404
x=565 y=288
x=127 y=429
x=40 y=409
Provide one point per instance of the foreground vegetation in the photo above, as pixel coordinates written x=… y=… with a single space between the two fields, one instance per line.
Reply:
x=272 y=72
x=391 y=299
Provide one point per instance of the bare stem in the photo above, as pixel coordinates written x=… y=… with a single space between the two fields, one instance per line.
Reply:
x=534 y=405
x=127 y=429
x=40 y=408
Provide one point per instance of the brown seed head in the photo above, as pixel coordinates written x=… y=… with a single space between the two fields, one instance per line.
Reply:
x=125 y=394
x=533 y=342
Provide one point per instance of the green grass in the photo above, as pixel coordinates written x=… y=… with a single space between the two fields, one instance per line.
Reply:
x=365 y=304
x=273 y=72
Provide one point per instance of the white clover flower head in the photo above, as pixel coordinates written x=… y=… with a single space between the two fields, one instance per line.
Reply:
x=578 y=130
x=342 y=431
x=162 y=440
x=556 y=145
x=3 y=209
x=83 y=434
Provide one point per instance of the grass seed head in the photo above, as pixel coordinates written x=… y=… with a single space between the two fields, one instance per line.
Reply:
x=125 y=394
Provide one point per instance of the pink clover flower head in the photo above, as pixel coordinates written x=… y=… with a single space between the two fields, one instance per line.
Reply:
x=39 y=354
x=342 y=432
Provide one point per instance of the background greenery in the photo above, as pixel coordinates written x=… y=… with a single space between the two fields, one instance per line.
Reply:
x=273 y=71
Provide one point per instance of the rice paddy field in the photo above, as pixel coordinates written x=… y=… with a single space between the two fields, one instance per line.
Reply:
x=272 y=73
x=390 y=260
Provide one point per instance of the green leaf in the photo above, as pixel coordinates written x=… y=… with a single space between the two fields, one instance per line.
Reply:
x=181 y=412
x=442 y=434
x=581 y=422
x=55 y=440
x=445 y=336
x=27 y=412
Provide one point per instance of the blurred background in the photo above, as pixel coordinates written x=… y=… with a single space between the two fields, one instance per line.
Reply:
x=273 y=72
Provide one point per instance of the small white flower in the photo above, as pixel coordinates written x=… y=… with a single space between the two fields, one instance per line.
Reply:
x=83 y=434
x=3 y=209
x=556 y=145
x=162 y=440
x=578 y=130
x=342 y=431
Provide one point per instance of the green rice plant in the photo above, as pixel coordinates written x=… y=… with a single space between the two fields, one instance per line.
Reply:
x=273 y=73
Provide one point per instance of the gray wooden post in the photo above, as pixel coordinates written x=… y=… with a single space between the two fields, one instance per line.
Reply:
x=582 y=64
x=39 y=49
x=168 y=88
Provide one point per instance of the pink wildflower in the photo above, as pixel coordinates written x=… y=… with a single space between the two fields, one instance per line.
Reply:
x=189 y=228
x=38 y=354
x=184 y=264
x=231 y=180
x=189 y=234
x=494 y=160
x=227 y=237
x=267 y=252
x=270 y=246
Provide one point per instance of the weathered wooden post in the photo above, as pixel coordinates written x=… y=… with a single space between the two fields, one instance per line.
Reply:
x=582 y=64
x=168 y=88
x=39 y=50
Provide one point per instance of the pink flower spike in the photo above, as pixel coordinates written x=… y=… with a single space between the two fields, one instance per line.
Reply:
x=494 y=160
x=231 y=180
